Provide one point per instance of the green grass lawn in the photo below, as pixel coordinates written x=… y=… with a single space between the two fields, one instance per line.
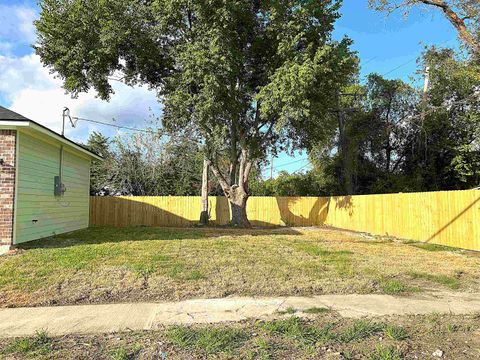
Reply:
x=324 y=336
x=149 y=264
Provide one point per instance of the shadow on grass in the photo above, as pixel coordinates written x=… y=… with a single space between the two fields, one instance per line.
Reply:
x=110 y=234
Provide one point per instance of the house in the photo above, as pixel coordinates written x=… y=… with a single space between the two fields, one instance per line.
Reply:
x=44 y=181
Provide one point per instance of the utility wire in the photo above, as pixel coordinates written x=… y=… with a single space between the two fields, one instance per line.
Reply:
x=303 y=167
x=405 y=63
x=115 y=125
x=289 y=163
x=400 y=66
x=156 y=133
x=413 y=59
x=369 y=60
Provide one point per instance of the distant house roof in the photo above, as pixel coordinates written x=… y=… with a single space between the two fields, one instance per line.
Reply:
x=11 y=119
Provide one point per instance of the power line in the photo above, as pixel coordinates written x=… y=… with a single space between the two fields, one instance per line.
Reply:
x=413 y=59
x=400 y=66
x=303 y=167
x=289 y=163
x=405 y=63
x=370 y=60
x=115 y=125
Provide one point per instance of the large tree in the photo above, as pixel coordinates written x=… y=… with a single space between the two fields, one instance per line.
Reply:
x=250 y=77
x=464 y=15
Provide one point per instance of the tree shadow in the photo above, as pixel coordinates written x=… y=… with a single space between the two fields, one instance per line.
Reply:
x=150 y=212
x=117 y=219
x=111 y=235
x=344 y=203
x=291 y=211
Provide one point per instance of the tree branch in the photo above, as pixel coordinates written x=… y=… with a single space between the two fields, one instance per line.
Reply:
x=456 y=21
x=449 y=12
x=219 y=176
x=243 y=161
x=248 y=168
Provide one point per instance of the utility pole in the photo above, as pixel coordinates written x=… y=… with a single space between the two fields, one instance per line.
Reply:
x=204 y=213
x=426 y=80
x=426 y=83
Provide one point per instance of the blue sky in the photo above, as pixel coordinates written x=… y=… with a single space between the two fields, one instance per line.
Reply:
x=382 y=42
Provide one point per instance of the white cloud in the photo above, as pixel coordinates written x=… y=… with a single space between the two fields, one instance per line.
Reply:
x=32 y=91
x=17 y=24
x=29 y=89
x=18 y=73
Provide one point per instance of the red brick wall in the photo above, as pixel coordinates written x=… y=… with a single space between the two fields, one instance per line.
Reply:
x=7 y=185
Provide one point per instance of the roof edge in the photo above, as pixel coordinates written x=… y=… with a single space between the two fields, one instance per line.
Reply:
x=14 y=124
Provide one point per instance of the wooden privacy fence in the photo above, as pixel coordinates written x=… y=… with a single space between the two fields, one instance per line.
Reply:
x=446 y=217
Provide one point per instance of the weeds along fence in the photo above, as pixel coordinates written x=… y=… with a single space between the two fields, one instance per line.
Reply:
x=449 y=218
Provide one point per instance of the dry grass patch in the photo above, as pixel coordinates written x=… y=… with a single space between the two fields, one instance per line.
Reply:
x=147 y=264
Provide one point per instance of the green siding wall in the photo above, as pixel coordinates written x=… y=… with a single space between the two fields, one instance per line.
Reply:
x=38 y=164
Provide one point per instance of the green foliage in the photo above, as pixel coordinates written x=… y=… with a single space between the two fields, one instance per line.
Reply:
x=395 y=141
x=451 y=154
x=432 y=247
x=195 y=275
x=290 y=310
x=449 y=281
x=146 y=164
x=393 y=287
x=99 y=176
x=209 y=340
x=125 y=353
x=360 y=330
x=395 y=332
x=249 y=79
x=35 y=346
x=294 y=328
x=311 y=183
x=120 y=353
x=452 y=328
x=264 y=348
x=385 y=353
x=366 y=154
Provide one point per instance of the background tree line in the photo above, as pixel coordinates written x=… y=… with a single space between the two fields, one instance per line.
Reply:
x=398 y=139
x=394 y=140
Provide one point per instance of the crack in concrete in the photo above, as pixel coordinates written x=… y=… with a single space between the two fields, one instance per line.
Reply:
x=281 y=304
x=240 y=308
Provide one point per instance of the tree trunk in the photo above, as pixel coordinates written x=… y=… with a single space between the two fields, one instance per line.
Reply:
x=238 y=203
x=237 y=194
x=204 y=213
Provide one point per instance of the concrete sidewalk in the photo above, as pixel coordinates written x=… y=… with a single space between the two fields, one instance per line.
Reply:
x=84 y=319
